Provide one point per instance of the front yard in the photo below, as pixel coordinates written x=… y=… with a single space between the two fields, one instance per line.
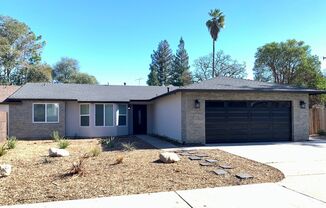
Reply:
x=39 y=178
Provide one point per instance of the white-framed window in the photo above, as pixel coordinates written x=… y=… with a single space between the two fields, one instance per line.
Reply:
x=84 y=114
x=122 y=115
x=103 y=114
x=45 y=112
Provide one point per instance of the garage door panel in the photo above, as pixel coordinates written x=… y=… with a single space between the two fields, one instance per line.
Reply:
x=239 y=121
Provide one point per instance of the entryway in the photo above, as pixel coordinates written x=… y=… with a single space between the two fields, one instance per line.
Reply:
x=140 y=119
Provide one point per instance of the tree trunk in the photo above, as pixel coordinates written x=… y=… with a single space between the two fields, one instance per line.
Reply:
x=213 y=68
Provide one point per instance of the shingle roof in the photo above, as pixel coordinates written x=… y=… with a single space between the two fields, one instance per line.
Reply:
x=115 y=93
x=86 y=92
x=6 y=91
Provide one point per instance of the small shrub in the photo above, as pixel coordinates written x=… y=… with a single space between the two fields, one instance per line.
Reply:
x=118 y=160
x=109 y=142
x=321 y=132
x=55 y=136
x=63 y=143
x=95 y=151
x=129 y=146
x=77 y=168
x=11 y=142
x=3 y=150
x=46 y=161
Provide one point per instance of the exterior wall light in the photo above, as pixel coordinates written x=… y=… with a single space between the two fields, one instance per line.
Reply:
x=302 y=104
x=197 y=104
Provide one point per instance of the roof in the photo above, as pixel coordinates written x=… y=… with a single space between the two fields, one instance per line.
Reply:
x=118 y=93
x=88 y=92
x=6 y=91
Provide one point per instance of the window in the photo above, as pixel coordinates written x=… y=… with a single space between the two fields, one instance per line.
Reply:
x=122 y=115
x=46 y=113
x=84 y=114
x=103 y=115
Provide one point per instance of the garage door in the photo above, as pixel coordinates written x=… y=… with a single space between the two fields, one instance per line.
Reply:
x=247 y=121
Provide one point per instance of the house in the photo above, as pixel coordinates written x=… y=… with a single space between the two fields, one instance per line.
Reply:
x=213 y=111
x=5 y=91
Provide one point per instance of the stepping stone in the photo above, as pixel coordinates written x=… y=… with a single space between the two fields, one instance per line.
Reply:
x=185 y=154
x=244 y=176
x=211 y=161
x=220 y=172
x=226 y=166
x=194 y=158
x=206 y=164
x=201 y=155
x=192 y=152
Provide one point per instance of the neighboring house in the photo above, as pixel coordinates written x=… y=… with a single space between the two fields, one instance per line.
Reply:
x=5 y=91
x=217 y=110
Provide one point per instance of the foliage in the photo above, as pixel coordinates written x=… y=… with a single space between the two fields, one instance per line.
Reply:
x=214 y=25
x=3 y=150
x=65 y=69
x=128 y=146
x=180 y=74
x=109 y=142
x=224 y=66
x=95 y=151
x=55 y=136
x=39 y=73
x=20 y=48
x=161 y=65
x=63 y=143
x=77 y=167
x=11 y=142
x=83 y=78
x=118 y=160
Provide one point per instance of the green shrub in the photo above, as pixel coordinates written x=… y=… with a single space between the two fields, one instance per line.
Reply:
x=95 y=151
x=55 y=136
x=129 y=146
x=11 y=142
x=63 y=143
x=321 y=132
x=3 y=150
x=109 y=142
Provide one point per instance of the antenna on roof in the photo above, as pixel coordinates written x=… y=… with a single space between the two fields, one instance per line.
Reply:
x=139 y=80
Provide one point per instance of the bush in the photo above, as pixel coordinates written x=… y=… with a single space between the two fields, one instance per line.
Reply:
x=95 y=151
x=77 y=168
x=109 y=142
x=63 y=143
x=55 y=136
x=118 y=160
x=3 y=150
x=129 y=146
x=11 y=142
x=321 y=132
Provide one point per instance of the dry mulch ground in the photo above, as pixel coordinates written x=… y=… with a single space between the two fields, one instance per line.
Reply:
x=38 y=178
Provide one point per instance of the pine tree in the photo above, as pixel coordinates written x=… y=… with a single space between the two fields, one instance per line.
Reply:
x=161 y=65
x=180 y=74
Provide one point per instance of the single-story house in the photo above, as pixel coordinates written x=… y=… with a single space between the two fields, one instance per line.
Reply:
x=5 y=91
x=213 y=111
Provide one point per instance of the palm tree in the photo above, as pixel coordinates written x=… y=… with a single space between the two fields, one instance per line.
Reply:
x=214 y=26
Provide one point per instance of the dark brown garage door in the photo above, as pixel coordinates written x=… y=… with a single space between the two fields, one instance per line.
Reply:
x=247 y=121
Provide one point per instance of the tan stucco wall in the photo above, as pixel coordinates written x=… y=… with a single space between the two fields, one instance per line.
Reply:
x=21 y=121
x=193 y=120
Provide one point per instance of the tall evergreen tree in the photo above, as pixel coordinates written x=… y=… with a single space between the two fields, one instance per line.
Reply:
x=180 y=74
x=161 y=65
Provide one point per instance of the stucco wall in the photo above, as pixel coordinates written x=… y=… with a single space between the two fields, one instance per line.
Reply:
x=73 y=128
x=193 y=120
x=21 y=121
x=166 y=116
x=3 y=122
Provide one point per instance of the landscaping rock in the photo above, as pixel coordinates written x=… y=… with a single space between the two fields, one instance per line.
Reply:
x=201 y=155
x=211 y=161
x=226 y=166
x=169 y=157
x=5 y=170
x=220 y=172
x=206 y=164
x=184 y=154
x=194 y=158
x=244 y=176
x=55 y=152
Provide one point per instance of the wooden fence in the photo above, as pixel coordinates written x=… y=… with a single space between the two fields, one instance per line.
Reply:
x=317 y=120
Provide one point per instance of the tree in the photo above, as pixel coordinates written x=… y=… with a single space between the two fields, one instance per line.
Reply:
x=161 y=65
x=39 y=73
x=224 y=66
x=19 y=49
x=83 y=78
x=214 y=25
x=65 y=69
x=180 y=74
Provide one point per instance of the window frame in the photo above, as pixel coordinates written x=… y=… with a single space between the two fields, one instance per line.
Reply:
x=89 y=114
x=103 y=104
x=118 y=115
x=46 y=113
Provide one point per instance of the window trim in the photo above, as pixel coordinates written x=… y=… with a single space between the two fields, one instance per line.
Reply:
x=118 y=114
x=103 y=104
x=89 y=114
x=46 y=113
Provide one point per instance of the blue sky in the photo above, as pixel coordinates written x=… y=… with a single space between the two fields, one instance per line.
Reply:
x=113 y=40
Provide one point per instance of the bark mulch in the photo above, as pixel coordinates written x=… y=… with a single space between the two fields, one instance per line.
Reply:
x=39 y=178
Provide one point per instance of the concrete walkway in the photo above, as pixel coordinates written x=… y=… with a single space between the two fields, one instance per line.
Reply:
x=156 y=142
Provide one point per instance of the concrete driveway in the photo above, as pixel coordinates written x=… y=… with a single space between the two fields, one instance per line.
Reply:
x=303 y=163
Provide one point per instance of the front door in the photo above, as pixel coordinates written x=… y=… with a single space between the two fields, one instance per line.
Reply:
x=140 y=119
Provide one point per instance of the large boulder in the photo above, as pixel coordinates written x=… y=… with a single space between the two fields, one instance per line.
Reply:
x=5 y=170
x=55 y=152
x=169 y=157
